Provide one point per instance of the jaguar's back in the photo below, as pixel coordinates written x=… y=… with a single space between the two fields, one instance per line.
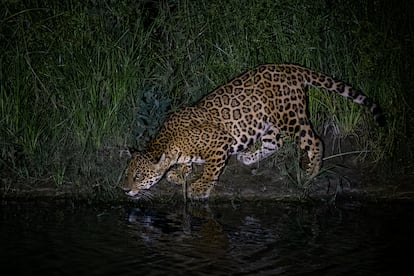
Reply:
x=273 y=95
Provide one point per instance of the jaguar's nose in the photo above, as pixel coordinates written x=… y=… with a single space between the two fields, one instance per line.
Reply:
x=130 y=192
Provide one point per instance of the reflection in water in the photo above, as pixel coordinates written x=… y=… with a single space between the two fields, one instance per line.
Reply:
x=250 y=239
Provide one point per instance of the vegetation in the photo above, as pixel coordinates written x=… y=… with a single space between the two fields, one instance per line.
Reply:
x=81 y=80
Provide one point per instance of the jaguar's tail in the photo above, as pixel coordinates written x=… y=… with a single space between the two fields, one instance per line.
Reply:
x=317 y=79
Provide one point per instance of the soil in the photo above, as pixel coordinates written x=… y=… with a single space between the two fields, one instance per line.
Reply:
x=276 y=178
x=343 y=179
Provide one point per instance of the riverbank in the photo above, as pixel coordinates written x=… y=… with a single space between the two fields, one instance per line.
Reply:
x=278 y=178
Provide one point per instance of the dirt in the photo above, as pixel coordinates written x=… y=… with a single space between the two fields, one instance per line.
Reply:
x=269 y=182
x=280 y=178
x=276 y=178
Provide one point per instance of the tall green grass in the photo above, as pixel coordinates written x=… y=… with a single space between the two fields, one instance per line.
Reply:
x=81 y=78
x=69 y=75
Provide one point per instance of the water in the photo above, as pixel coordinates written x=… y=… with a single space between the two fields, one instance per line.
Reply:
x=244 y=239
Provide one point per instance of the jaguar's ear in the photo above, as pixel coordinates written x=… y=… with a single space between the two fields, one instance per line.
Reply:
x=162 y=161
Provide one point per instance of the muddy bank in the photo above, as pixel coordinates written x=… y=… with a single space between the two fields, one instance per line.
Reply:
x=277 y=178
x=266 y=182
x=269 y=182
x=344 y=174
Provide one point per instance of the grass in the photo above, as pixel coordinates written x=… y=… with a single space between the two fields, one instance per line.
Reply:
x=80 y=80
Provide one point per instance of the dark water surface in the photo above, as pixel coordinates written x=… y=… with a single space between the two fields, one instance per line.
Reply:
x=243 y=239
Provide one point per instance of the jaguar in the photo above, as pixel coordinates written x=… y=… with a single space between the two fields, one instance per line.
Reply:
x=260 y=106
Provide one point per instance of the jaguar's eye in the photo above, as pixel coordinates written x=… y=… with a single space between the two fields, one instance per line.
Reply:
x=137 y=177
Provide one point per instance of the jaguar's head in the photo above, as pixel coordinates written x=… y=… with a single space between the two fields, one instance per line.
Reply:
x=142 y=173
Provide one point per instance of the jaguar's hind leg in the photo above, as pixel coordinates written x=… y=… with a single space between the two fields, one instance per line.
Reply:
x=271 y=142
x=313 y=146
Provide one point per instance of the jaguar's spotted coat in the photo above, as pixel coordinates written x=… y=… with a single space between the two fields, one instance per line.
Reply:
x=260 y=104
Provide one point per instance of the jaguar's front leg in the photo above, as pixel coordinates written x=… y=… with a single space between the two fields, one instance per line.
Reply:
x=202 y=187
x=179 y=173
x=214 y=150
